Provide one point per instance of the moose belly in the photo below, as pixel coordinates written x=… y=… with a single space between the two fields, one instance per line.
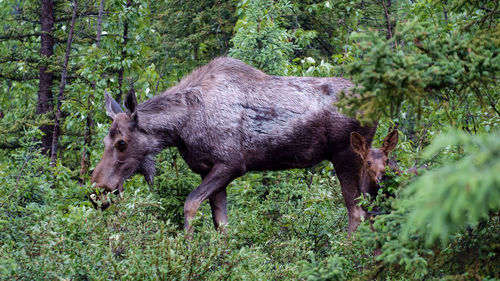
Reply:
x=303 y=148
x=285 y=159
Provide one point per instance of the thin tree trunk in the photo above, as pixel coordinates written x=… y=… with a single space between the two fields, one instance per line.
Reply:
x=387 y=18
x=124 y=53
x=390 y=25
x=45 y=97
x=84 y=163
x=57 y=120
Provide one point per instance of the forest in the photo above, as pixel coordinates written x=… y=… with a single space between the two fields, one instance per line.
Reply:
x=428 y=68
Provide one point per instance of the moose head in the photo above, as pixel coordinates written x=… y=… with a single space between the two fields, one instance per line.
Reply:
x=128 y=150
x=374 y=160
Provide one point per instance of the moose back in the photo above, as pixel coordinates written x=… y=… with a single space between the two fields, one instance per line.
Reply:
x=228 y=118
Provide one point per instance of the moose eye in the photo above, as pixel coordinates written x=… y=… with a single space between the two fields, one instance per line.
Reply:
x=369 y=163
x=121 y=145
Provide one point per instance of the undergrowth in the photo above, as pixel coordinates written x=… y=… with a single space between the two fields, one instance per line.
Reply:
x=288 y=225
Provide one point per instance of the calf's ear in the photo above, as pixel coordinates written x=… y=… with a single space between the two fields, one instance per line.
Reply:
x=112 y=107
x=390 y=142
x=358 y=144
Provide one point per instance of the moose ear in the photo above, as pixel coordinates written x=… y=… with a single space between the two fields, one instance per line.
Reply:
x=358 y=144
x=112 y=107
x=131 y=104
x=390 y=142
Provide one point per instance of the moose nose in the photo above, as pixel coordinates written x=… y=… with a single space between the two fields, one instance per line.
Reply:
x=105 y=187
x=99 y=181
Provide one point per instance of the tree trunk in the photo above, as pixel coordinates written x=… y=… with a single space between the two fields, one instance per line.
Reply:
x=57 y=120
x=84 y=163
x=387 y=16
x=45 y=96
x=124 y=53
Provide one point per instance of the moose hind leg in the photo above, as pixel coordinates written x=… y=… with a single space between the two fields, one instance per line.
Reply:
x=218 y=203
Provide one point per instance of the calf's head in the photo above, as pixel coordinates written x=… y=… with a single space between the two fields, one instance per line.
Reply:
x=127 y=150
x=374 y=160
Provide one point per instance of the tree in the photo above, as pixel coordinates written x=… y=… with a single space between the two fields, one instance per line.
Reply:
x=62 y=85
x=192 y=33
x=260 y=40
x=89 y=128
x=45 y=96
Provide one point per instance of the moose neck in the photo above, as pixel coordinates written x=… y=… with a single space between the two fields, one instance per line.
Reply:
x=161 y=122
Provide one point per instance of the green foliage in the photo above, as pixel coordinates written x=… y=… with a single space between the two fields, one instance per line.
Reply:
x=461 y=193
x=333 y=270
x=463 y=60
x=259 y=39
x=192 y=33
x=309 y=67
x=84 y=244
x=330 y=22
x=173 y=183
x=24 y=184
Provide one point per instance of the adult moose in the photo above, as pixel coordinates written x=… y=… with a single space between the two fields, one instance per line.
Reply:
x=227 y=118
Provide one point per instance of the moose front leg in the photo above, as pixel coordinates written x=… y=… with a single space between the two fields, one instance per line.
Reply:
x=350 y=192
x=347 y=171
x=212 y=186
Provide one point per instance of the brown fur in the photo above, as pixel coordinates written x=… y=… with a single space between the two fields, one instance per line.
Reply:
x=374 y=160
